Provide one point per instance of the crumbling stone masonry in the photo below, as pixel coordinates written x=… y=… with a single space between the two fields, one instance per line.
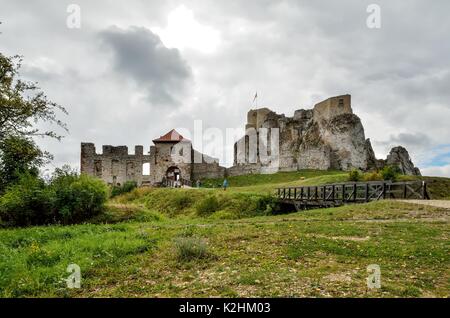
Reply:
x=329 y=136
x=114 y=165
x=171 y=158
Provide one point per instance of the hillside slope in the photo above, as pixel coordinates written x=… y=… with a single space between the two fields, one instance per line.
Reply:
x=314 y=253
x=209 y=242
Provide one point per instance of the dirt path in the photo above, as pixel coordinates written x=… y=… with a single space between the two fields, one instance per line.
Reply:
x=436 y=203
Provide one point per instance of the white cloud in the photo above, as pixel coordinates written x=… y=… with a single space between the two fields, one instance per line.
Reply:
x=443 y=171
x=184 y=31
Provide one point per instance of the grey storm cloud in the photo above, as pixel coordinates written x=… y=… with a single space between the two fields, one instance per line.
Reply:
x=139 y=54
x=412 y=139
x=125 y=85
x=415 y=141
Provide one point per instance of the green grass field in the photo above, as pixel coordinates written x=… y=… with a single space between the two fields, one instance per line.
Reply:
x=153 y=243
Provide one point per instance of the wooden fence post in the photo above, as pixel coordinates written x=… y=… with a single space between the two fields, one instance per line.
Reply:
x=367 y=192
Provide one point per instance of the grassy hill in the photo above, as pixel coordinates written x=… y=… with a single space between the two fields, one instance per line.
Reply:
x=210 y=242
x=275 y=178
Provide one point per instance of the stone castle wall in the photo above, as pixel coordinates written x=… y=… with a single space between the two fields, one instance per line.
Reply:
x=328 y=136
x=114 y=165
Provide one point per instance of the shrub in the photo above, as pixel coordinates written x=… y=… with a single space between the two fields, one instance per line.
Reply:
x=207 y=206
x=248 y=205
x=69 y=198
x=125 y=188
x=191 y=248
x=373 y=176
x=390 y=173
x=78 y=198
x=27 y=202
x=181 y=200
x=267 y=205
x=354 y=175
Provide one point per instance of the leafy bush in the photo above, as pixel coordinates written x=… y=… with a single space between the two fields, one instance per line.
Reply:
x=373 y=176
x=27 y=202
x=266 y=205
x=191 y=248
x=78 y=198
x=354 y=175
x=248 y=205
x=69 y=198
x=207 y=206
x=390 y=173
x=125 y=188
x=19 y=155
x=181 y=200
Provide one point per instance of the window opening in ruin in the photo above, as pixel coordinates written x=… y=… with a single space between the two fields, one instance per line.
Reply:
x=98 y=168
x=146 y=169
x=341 y=102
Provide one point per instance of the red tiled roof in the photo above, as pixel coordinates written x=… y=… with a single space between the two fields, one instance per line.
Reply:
x=171 y=136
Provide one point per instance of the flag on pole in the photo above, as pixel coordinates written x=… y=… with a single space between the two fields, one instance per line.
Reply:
x=256 y=96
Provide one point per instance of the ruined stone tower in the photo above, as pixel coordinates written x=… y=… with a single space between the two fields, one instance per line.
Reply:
x=329 y=136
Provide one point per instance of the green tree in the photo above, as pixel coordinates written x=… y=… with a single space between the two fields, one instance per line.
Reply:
x=19 y=155
x=22 y=105
x=391 y=173
x=354 y=175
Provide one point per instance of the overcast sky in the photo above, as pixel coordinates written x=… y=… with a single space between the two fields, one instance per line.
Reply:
x=136 y=69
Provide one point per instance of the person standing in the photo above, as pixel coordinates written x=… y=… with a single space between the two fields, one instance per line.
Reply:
x=225 y=184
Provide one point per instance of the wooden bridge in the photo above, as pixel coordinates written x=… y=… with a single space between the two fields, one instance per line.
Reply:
x=357 y=192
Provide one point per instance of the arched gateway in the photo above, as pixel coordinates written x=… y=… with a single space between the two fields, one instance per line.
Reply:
x=173 y=173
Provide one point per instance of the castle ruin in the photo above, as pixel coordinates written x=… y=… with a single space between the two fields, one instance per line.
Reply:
x=170 y=159
x=328 y=136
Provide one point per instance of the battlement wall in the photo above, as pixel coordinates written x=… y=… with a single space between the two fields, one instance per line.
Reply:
x=114 y=165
